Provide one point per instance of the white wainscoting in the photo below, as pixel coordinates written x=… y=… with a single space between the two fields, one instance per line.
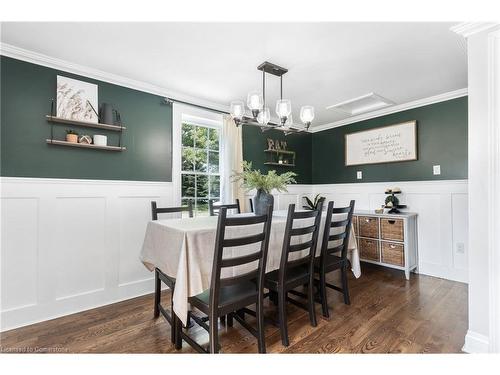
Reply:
x=71 y=245
x=442 y=219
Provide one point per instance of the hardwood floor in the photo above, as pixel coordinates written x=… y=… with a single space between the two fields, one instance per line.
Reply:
x=388 y=314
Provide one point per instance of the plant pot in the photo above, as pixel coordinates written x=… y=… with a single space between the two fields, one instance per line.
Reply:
x=261 y=201
x=100 y=140
x=72 y=138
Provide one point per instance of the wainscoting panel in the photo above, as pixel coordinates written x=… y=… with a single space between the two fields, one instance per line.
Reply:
x=442 y=219
x=71 y=245
x=19 y=252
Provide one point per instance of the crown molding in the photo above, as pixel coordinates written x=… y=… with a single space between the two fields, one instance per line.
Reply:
x=393 y=109
x=18 y=53
x=467 y=29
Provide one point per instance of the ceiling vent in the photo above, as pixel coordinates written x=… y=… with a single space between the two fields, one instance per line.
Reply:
x=366 y=103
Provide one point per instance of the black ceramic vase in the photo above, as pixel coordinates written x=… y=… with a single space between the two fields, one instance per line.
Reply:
x=261 y=201
x=106 y=115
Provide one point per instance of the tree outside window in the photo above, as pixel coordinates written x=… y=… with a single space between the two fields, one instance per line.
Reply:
x=200 y=166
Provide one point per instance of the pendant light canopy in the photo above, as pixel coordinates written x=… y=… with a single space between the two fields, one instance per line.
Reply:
x=261 y=116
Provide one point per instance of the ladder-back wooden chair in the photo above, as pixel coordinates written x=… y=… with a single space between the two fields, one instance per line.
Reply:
x=334 y=258
x=159 y=275
x=231 y=294
x=296 y=272
x=214 y=209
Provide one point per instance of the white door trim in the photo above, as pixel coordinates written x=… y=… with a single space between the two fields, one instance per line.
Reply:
x=494 y=188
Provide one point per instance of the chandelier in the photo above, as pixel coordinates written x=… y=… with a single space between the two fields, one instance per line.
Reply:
x=260 y=112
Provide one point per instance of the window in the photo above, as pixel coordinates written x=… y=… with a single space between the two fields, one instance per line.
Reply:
x=200 y=170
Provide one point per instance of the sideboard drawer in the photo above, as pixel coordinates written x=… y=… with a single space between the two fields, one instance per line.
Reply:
x=393 y=253
x=392 y=229
x=368 y=226
x=369 y=249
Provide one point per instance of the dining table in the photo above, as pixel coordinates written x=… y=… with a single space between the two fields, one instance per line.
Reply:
x=183 y=248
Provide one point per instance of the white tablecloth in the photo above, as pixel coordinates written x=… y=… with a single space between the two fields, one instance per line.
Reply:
x=184 y=248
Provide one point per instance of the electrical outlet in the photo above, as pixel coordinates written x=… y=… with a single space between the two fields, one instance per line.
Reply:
x=460 y=248
x=359 y=175
x=436 y=169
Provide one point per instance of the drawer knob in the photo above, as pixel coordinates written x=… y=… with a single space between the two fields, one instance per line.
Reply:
x=367 y=220
x=392 y=246
x=391 y=221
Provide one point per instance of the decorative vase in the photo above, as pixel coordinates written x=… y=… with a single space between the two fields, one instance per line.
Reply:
x=106 y=115
x=261 y=201
x=100 y=140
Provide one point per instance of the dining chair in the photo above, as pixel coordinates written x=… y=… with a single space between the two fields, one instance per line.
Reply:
x=298 y=271
x=334 y=257
x=162 y=277
x=215 y=208
x=227 y=295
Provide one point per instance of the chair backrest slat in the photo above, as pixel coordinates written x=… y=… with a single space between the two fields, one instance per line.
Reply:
x=214 y=209
x=238 y=261
x=242 y=241
x=259 y=256
x=232 y=221
x=343 y=224
x=302 y=231
x=252 y=275
x=336 y=237
x=308 y=246
x=155 y=210
x=300 y=246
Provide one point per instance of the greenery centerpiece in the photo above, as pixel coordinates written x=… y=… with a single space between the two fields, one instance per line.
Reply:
x=314 y=204
x=264 y=184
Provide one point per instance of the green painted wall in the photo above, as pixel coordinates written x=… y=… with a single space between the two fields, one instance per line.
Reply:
x=255 y=142
x=442 y=139
x=26 y=91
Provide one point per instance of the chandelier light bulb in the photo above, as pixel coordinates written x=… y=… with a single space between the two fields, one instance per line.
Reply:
x=255 y=102
x=237 y=110
x=307 y=115
x=283 y=109
x=264 y=116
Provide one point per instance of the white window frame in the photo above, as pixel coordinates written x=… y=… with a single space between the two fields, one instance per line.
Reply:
x=185 y=113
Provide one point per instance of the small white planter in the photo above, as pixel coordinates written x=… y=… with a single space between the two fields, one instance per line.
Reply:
x=100 y=140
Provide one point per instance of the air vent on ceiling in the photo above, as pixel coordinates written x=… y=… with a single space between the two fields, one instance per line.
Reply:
x=362 y=104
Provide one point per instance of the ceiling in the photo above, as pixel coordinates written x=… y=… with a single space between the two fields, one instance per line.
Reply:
x=328 y=63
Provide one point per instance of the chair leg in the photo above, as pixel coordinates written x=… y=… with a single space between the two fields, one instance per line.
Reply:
x=260 y=327
x=177 y=326
x=282 y=317
x=156 y=310
x=223 y=319
x=312 y=311
x=229 y=320
x=173 y=328
x=213 y=334
x=322 y=292
x=273 y=297
x=345 y=288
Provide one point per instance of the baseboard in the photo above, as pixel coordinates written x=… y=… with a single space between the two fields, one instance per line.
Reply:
x=476 y=343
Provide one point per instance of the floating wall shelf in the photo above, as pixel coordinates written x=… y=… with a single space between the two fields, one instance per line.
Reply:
x=84 y=145
x=279 y=164
x=280 y=158
x=85 y=124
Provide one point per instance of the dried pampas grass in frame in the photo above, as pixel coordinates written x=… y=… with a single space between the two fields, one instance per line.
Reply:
x=76 y=100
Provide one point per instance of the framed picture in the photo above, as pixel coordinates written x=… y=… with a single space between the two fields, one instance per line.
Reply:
x=386 y=144
x=76 y=100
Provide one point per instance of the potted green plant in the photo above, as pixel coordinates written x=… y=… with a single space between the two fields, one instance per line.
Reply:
x=264 y=184
x=71 y=136
x=313 y=204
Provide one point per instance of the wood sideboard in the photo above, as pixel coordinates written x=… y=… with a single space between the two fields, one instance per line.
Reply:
x=387 y=239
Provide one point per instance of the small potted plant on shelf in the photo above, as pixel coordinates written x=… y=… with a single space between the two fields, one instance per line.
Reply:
x=71 y=136
x=313 y=205
x=264 y=184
